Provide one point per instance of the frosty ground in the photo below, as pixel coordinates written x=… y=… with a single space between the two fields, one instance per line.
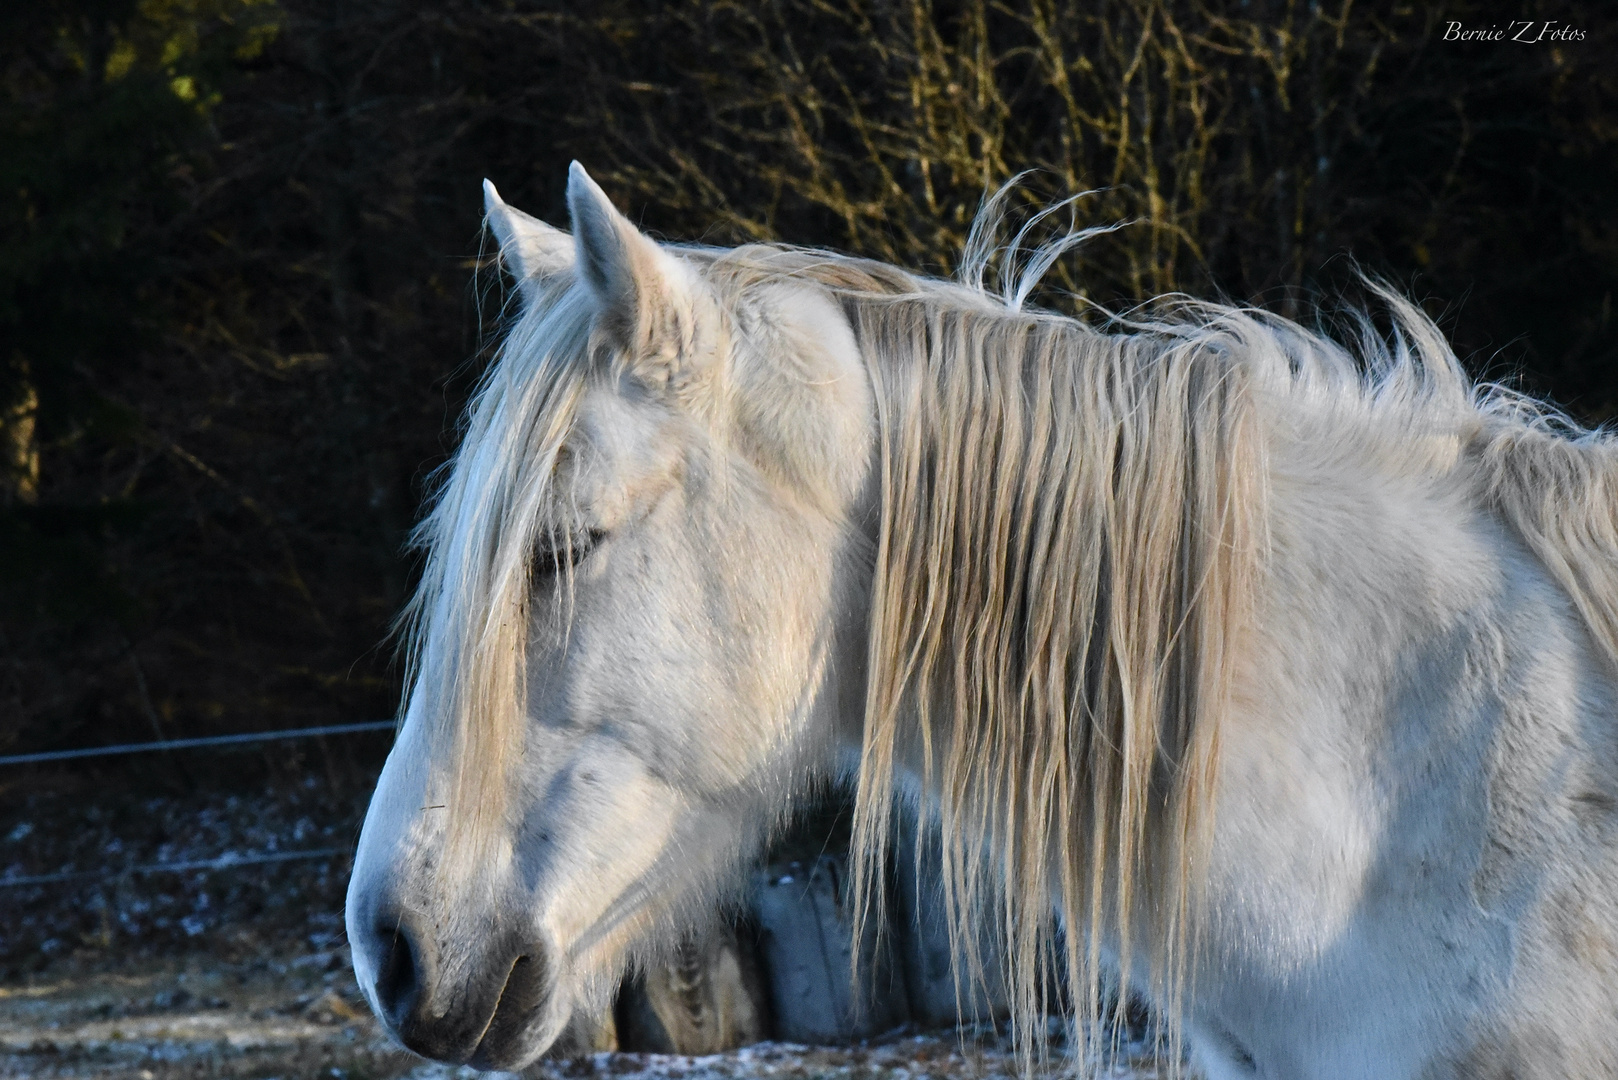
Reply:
x=301 y=1016
x=112 y=970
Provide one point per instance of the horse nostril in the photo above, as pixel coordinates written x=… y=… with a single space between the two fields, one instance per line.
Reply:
x=398 y=979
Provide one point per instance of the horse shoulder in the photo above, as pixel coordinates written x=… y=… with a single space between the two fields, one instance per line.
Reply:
x=1416 y=800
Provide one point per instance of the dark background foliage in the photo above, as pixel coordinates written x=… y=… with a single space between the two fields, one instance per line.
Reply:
x=241 y=307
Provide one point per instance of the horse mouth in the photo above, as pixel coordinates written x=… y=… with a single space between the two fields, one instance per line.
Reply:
x=519 y=1015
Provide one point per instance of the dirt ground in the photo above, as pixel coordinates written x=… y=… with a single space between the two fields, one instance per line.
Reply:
x=110 y=969
x=302 y=1017
x=293 y=1017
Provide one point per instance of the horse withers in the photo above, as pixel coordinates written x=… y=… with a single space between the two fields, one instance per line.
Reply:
x=1272 y=680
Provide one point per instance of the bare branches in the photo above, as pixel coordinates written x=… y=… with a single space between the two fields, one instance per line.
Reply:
x=1218 y=131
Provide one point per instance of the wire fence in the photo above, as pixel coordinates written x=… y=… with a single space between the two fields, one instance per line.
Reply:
x=223 y=862
x=189 y=744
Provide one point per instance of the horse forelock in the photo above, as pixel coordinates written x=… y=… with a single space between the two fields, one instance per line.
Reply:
x=466 y=628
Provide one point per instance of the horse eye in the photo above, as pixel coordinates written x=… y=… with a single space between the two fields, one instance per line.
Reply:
x=549 y=561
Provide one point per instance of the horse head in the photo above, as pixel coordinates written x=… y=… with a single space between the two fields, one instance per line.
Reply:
x=636 y=574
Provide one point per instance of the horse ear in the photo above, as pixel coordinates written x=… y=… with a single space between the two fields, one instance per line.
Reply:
x=637 y=284
x=531 y=249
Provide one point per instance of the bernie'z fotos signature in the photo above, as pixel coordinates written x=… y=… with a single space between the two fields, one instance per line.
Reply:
x=1527 y=31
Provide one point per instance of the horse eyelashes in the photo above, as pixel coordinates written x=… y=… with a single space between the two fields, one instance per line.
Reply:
x=548 y=561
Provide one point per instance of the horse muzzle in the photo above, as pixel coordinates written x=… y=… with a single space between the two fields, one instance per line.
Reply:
x=495 y=1017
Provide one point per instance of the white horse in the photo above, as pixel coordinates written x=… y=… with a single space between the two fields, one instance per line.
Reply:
x=1279 y=676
